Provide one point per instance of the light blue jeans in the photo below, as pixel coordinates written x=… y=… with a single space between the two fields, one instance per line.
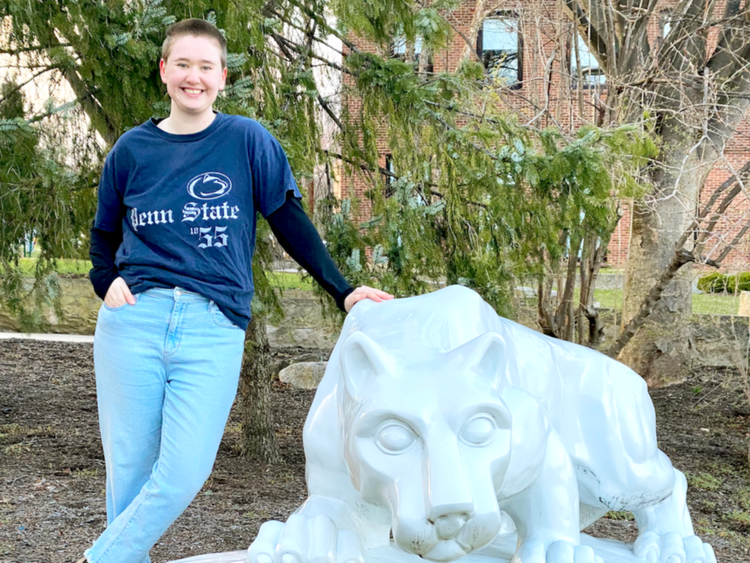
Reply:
x=166 y=375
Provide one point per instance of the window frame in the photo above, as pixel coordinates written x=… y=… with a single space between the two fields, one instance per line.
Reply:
x=503 y=15
x=587 y=84
x=429 y=66
x=388 y=180
x=666 y=23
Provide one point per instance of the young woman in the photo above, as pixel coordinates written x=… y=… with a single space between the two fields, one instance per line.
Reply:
x=172 y=247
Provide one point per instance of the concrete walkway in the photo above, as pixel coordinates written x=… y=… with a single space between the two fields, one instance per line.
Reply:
x=52 y=337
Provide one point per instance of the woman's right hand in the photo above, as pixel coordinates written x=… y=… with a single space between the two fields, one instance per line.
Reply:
x=118 y=294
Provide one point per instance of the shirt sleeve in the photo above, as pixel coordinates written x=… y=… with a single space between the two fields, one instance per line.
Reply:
x=110 y=208
x=272 y=176
x=298 y=236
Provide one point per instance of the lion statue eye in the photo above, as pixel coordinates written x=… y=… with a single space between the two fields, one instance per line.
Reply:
x=479 y=430
x=394 y=438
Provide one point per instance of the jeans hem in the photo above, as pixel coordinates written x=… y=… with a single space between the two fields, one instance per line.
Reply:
x=125 y=528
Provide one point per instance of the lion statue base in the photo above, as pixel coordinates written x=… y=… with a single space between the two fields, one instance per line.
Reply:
x=444 y=432
x=611 y=551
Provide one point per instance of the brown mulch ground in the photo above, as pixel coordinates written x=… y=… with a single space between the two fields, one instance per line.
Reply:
x=52 y=469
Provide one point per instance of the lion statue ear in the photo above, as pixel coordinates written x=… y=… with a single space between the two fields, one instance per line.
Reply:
x=361 y=359
x=486 y=355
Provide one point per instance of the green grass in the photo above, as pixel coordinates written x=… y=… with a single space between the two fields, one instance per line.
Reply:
x=714 y=304
x=283 y=280
x=703 y=303
x=289 y=280
x=706 y=304
x=619 y=515
x=609 y=298
x=64 y=266
x=704 y=481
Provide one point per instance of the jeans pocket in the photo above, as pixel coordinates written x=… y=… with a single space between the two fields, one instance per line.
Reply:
x=137 y=296
x=219 y=318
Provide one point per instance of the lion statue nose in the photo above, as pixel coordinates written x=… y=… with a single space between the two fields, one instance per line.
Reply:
x=449 y=525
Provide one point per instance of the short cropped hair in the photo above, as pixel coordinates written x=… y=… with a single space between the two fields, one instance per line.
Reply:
x=197 y=28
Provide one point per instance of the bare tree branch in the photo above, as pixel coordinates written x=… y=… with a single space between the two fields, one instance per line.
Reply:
x=636 y=49
x=683 y=256
x=591 y=25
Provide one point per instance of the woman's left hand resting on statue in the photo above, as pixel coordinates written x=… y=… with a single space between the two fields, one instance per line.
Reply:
x=364 y=292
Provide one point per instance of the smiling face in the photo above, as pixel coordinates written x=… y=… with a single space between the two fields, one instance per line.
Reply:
x=194 y=75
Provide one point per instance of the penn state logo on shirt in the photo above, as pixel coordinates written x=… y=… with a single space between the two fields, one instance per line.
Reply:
x=209 y=185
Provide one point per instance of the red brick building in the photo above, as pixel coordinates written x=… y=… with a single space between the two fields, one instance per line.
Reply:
x=535 y=49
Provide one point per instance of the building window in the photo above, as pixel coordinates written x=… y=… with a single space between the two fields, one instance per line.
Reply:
x=428 y=66
x=387 y=177
x=665 y=23
x=398 y=47
x=398 y=50
x=593 y=76
x=500 y=48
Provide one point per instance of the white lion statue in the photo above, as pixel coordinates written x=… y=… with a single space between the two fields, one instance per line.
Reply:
x=442 y=431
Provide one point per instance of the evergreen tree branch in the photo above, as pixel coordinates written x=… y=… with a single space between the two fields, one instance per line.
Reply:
x=282 y=43
x=327 y=108
x=457 y=30
x=322 y=23
x=476 y=147
x=293 y=25
x=389 y=174
x=54 y=111
x=304 y=51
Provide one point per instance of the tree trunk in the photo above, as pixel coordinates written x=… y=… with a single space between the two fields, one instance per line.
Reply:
x=591 y=259
x=258 y=433
x=696 y=100
x=662 y=351
x=470 y=38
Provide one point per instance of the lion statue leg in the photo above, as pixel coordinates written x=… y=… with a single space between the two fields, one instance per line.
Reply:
x=540 y=490
x=546 y=513
x=620 y=467
x=666 y=530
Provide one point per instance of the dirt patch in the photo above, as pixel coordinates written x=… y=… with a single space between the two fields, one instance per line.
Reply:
x=52 y=467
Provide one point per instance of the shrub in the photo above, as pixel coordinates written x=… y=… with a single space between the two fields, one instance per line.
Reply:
x=724 y=283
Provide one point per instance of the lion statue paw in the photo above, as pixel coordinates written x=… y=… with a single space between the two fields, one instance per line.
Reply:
x=302 y=539
x=672 y=548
